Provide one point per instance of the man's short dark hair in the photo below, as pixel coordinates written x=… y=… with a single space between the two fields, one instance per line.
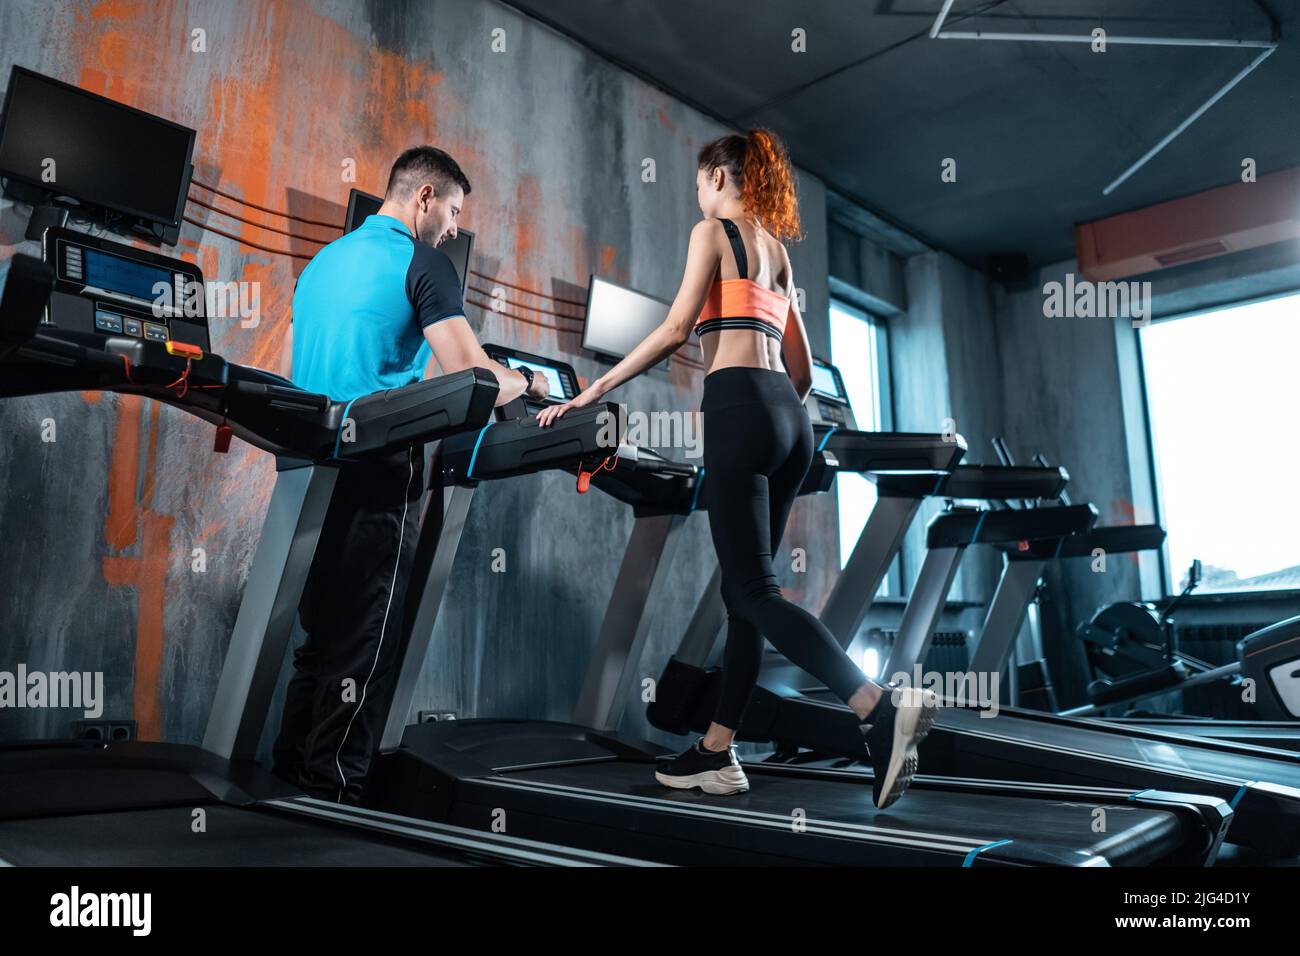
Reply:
x=424 y=164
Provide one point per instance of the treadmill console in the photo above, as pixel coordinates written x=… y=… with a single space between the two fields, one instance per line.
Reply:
x=111 y=288
x=828 y=402
x=561 y=376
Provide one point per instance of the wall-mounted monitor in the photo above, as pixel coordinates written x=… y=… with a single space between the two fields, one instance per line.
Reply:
x=62 y=144
x=618 y=318
x=361 y=205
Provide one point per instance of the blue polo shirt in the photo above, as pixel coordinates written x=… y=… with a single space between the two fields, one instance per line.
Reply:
x=361 y=307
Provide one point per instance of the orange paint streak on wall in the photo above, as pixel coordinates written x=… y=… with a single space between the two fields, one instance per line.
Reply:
x=151 y=452
x=608 y=257
x=148 y=575
x=123 y=475
x=262 y=345
x=93 y=80
x=528 y=200
x=113 y=9
x=402 y=91
x=208 y=260
x=528 y=247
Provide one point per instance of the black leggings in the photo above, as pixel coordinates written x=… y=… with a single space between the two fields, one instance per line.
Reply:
x=758 y=444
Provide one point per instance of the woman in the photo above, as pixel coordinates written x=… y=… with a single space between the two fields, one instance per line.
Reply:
x=738 y=296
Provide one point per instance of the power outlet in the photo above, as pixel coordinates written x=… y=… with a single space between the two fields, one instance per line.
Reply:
x=105 y=731
x=433 y=716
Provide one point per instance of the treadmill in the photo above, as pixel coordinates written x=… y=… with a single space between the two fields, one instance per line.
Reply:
x=584 y=784
x=129 y=803
x=1263 y=784
x=1271 y=656
x=998 y=646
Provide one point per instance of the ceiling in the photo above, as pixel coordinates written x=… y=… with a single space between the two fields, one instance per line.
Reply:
x=1037 y=130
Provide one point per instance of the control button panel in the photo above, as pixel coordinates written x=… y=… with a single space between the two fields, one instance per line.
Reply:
x=123 y=290
x=831 y=412
x=108 y=321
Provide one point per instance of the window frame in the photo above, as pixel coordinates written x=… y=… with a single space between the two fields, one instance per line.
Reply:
x=884 y=400
x=1153 y=466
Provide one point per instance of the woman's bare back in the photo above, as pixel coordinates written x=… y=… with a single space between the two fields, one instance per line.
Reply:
x=769 y=267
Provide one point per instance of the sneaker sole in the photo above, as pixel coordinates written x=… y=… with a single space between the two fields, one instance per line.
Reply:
x=916 y=713
x=717 y=782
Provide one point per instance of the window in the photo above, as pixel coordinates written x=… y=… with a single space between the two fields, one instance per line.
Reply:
x=856 y=346
x=1221 y=391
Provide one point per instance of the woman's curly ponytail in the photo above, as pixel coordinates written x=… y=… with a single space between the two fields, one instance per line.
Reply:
x=760 y=166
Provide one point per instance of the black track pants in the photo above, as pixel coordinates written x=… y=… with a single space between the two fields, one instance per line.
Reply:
x=352 y=611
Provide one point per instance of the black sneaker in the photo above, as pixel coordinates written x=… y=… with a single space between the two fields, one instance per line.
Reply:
x=716 y=772
x=893 y=730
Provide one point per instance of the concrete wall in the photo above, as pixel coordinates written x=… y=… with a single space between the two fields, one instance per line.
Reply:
x=944 y=357
x=1062 y=395
x=945 y=366
x=102 y=524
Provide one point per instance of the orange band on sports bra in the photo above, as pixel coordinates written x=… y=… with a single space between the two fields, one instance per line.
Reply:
x=745 y=298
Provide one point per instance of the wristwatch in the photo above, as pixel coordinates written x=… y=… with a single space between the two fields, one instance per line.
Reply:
x=527 y=374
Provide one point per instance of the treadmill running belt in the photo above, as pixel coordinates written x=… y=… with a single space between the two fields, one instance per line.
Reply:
x=77 y=789
x=234 y=837
x=1261 y=784
x=840 y=817
x=1233 y=766
x=1279 y=735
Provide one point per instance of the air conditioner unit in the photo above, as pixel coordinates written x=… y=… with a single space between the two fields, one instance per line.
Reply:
x=1212 y=223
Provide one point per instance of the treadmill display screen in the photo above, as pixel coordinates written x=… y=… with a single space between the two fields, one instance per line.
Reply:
x=824 y=381
x=125 y=277
x=551 y=373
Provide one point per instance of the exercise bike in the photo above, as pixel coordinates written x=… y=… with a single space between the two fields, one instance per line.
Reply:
x=1132 y=652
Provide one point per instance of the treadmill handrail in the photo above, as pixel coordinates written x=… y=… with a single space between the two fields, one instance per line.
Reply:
x=1112 y=539
x=261 y=407
x=960 y=529
x=1005 y=481
x=518 y=446
x=870 y=452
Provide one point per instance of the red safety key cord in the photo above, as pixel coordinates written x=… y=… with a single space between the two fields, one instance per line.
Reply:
x=584 y=477
x=181 y=387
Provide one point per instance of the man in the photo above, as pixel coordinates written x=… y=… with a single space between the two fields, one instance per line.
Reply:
x=377 y=309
